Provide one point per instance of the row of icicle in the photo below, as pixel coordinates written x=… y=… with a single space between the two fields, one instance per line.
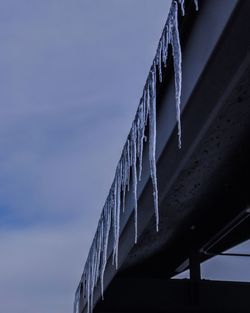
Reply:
x=129 y=169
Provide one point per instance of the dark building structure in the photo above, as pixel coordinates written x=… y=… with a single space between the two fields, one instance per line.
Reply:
x=204 y=191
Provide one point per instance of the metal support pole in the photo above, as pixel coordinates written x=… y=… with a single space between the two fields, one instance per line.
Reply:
x=194 y=266
x=195 y=276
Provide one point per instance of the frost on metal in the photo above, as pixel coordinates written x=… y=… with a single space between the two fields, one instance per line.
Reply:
x=129 y=168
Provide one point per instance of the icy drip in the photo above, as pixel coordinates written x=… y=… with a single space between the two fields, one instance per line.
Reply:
x=118 y=186
x=129 y=162
x=143 y=116
x=165 y=43
x=94 y=260
x=134 y=173
x=159 y=59
x=170 y=36
x=90 y=295
x=92 y=264
x=107 y=225
x=140 y=136
x=196 y=5
x=113 y=206
x=88 y=286
x=177 y=57
x=138 y=131
x=98 y=253
x=182 y=3
x=124 y=175
x=132 y=152
x=76 y=302
x=124 y=179
x=117 y=209
x=152 y=142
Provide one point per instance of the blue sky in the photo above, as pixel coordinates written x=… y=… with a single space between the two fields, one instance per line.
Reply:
x=71 y=75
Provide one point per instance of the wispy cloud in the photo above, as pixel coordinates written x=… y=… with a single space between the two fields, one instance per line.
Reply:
x=39 y=267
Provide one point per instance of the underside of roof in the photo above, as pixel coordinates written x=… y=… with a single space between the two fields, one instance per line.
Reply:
x=202 y=187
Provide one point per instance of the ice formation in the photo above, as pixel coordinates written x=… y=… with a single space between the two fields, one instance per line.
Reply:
x=129 y=169
x=152 y=140
x=176 y=48
x=182 y=3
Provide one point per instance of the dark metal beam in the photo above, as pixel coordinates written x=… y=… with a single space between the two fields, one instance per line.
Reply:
x=150 y=294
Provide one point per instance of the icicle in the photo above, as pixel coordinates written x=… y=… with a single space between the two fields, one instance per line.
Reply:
x=91 y=280
x=152 y=142
x=98 y=252
x=94 y=259
x=77 y=307
x=165 y=39
x=88 y=286
x=141 y=137
x=116 y=214
x=145 y=107
x=124 y=180
x=107 y=226
x=126 y=170
x=129 y=163
x=92 y=284
x=182 y=3
x=176 y=48
x=138 y=130
x=118 y=207
x=114 y=219
x=159 y=60
x=134 y=173
x=196 y=5
x=163 y=46
x=76 y=302
x=102 y=244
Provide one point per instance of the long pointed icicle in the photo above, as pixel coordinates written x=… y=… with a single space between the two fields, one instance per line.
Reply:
x=124 y=179
x=152 y=142
x=114 y=225
x=134 y=173
x=76 y=302
x=129 y=162
x=141 y=138
x=107 y=226
x=177 y=56
x=118 y=208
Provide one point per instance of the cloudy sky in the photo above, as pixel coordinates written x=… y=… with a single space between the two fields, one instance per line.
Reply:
x=71 y=75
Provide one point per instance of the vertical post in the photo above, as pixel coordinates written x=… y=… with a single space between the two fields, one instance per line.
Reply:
x=194 y=266
x=195 y=276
